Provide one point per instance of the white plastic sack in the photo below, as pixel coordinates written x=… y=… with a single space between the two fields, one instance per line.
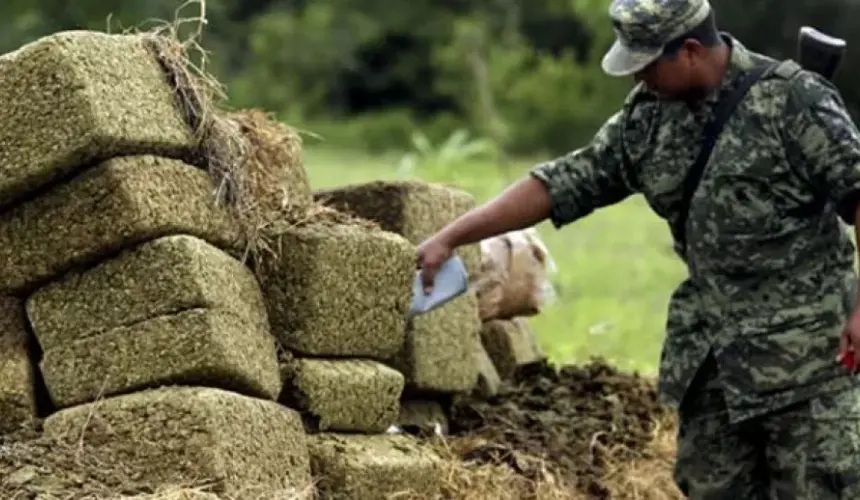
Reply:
x=514 y=276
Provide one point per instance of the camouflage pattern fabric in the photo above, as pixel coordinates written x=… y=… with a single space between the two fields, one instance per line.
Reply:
x=771 y=277
x=811 y=450
x=649 y=24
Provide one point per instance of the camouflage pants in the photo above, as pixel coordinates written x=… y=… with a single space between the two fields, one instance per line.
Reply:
x=808 y=451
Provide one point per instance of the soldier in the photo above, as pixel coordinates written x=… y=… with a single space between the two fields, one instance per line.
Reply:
x=753 y=334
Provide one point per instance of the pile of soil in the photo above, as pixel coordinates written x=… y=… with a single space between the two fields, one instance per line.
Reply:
x=580 y=419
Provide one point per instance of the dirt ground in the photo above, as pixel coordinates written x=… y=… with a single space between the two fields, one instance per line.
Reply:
x=593 y=426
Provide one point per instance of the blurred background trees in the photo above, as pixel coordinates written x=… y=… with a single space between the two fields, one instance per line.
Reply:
x=523 y=74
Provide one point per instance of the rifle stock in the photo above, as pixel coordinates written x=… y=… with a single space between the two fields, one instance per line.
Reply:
x=819 y=52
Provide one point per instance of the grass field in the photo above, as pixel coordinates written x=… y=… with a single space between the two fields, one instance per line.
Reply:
x=615 y=267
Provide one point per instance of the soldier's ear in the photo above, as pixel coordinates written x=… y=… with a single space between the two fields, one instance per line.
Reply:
x=693 y=47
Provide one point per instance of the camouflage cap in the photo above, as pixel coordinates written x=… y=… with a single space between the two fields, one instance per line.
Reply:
x=644 y=27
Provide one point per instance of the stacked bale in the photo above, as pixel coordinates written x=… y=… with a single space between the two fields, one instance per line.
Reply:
x=411 y=208
x=165 y=352
x=510 y=345
x=246 y=447
x=337 y=301
x=173 y=310
x=465 y=345
x=18 y=409
x=153 y=338
x=438 y=357
x=372 y=467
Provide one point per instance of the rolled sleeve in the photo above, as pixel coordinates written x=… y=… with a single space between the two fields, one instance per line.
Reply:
x=823 y=142
x=589 y=178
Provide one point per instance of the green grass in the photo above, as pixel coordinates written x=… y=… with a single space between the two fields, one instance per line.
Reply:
x=615 y=267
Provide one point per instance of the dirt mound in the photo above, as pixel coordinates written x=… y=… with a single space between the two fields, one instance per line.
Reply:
x=582 y=420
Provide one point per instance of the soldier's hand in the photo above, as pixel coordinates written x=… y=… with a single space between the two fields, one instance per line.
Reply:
x=849 y=344
x=432 y=253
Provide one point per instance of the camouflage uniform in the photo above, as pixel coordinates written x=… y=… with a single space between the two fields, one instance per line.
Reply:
x=753 y=332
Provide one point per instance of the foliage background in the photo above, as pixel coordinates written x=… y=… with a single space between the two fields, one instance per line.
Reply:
x=522 y=72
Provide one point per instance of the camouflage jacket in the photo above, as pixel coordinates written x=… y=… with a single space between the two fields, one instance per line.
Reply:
x=771 y=276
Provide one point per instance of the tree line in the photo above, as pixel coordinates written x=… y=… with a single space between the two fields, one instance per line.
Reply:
x=524 y=73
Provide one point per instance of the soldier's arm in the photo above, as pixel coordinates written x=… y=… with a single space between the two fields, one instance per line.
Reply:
x=562 y=190
x=824 y=143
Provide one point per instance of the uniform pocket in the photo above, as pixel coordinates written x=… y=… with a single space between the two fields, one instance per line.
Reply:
x=835 y=453
x=769 y=357
x=816 y=447
x=739 y=228
x=743 y=204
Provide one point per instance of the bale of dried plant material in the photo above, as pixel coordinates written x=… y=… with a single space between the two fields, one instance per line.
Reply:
x=179 y=494
x=422 y=416
x=489 y=380
x=240 y=445
x=35 y=466
x=438 y=354
x=344 y=395
x=120 y=203
x=414 y=209
x=511 y=344
x=17 y=376
x=339 y=290
x=216 y=348
x=159 y=277
x=74 y=98
x=370 y=467
x=254 y=161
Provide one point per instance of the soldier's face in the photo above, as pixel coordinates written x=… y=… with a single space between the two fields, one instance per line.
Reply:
x=676 y=76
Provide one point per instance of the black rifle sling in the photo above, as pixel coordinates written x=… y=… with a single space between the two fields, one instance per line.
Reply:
x=724 y=109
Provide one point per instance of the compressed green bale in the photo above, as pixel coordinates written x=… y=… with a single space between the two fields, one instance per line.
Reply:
x=75 y=98
x=182 y=494
x=370 y=467
x=511 y=344
x=118 y=204
x=242 y=446
x=205 y=347
x=349 y=395
x=411 y=208
x=422 y=416
x=438 y=355
x=339 y=290
x=17 y=374
x=489 y=380
x=156 y=278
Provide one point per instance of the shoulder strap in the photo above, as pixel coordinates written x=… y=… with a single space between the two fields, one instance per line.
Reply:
x=787 y=69
x=724 y=109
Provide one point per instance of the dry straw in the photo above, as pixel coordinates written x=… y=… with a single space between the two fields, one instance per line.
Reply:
x=253 y=159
